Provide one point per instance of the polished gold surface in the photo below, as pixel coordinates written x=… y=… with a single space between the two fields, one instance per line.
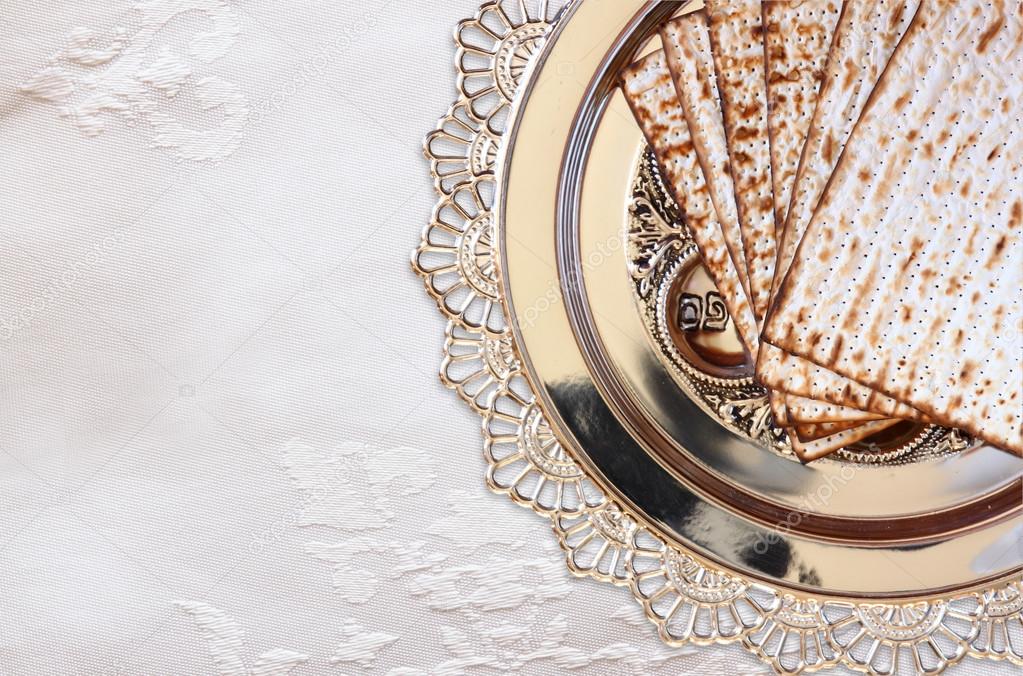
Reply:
x=568 y=180
x=719 y=537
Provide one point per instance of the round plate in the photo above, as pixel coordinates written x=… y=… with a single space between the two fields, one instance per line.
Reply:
x=834 y=528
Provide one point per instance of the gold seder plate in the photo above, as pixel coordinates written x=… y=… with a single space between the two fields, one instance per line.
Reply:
x=616 y=400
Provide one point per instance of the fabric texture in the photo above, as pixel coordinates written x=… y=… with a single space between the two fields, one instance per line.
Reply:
x=224 y=448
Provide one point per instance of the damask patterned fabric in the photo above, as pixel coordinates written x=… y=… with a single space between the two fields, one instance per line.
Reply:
x=223 y=445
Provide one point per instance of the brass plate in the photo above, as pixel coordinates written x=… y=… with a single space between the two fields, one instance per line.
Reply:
x=834 y=528
x=694 y=562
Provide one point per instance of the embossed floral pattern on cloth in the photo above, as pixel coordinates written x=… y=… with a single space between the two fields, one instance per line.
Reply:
x=130 y=72
x=223 y=446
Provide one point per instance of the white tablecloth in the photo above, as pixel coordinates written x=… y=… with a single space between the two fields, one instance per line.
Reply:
x=223 y=445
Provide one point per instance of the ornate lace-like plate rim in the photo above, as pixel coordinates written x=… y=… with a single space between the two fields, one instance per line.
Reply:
x=618 y=530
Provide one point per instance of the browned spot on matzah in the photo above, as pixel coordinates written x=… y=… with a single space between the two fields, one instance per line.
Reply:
x=828 y=148
x=990 y=33
x=837 y=344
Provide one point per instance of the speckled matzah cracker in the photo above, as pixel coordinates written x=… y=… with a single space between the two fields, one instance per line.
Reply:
x=794 y=375
x=864 y=41
x=816 y=449
x=776 y=400
x=687 y=48
x=797 y=39
x=916 y=290
x=817 y=431
x=649 y=89
x=801 y=410
x=737 y=44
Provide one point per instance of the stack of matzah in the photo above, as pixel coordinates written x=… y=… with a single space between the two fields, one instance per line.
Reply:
x=853 y=175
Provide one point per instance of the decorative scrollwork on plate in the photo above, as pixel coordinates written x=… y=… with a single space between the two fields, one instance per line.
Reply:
x=881 y=639
x=688 y=600
x=476 y=365
x=794 y=639
x=1001 y=624
x=457 y=261
x=526 y=461
x=655 y=229
x=691 y=602
x=461 y=149
x=597 y=543
x=494 y=50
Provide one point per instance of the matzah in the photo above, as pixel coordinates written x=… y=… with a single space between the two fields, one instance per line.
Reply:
x=737 y=44
x=776 y=401
x=794 y=375
x=797 y=39
x=818 y=448
x=687 y=48
x=865 y=38
x=817 y=431
x=801 y=410
x=864 y=41
x=650 y=92
x=788 y=408
x=916 y=290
